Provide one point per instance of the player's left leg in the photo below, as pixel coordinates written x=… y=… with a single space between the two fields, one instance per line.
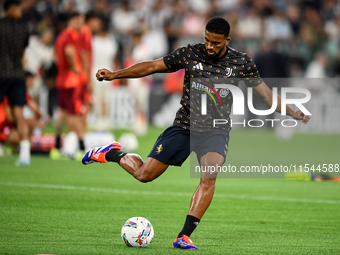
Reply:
x=200 y=201
x=204 y=193
x=25 y=146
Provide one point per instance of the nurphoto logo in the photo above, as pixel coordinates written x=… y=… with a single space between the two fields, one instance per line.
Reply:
x=223 y=90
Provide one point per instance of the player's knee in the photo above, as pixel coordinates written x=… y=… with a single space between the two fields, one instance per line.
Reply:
x=144 y=177
x=208 y=183
x=19 y=118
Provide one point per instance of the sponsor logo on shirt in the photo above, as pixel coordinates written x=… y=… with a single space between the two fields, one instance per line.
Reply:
x=199 y=66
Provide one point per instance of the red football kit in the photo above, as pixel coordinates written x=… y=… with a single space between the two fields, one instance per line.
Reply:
x=69 y=83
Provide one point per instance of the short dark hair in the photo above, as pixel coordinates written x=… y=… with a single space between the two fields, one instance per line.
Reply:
x=92 y=15
x=9 y=3
x=105 y=24
x=72 y=15
x=218 y=25
x=28 y=74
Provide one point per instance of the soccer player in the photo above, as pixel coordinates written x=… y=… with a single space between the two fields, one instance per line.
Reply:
x=105 y=49
x=9 y=133
x=213 y=59
x=13 y=41
x=69 y=84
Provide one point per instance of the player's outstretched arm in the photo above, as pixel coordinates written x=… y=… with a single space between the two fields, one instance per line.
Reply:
x=266 y=95
x=135 y=71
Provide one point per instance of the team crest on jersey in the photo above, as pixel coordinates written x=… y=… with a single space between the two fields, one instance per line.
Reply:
x=229 y=71
x=159 y=149
x=224 y=92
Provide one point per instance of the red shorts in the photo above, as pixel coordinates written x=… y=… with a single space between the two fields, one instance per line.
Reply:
x=71 y=100
x=86 y=95
x=5 y=129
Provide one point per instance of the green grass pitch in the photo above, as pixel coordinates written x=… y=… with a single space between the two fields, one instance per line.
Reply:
x=63 y=207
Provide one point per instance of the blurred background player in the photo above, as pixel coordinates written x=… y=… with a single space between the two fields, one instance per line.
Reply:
x=104 y=49
x=9 y=133
x=93 y=24
x=69 y=84
x=140 y=87
x=13 y=41
x=38 y=59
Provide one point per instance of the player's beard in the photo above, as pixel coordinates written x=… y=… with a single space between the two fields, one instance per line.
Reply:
x=216 y=56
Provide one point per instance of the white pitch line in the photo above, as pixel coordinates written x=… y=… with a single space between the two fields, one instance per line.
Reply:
x=160 y=193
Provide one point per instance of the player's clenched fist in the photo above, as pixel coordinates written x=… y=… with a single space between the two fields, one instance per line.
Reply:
x=299 y=115
x=104 y=74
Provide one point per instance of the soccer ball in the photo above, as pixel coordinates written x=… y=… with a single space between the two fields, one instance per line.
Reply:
x=129 y=142
x=137 y=232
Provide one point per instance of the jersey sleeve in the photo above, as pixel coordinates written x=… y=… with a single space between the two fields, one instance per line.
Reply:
x=251 y=75
x=176 y=59
x=68 y=39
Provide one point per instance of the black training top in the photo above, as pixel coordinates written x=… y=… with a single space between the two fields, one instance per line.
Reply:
x=201 y=75
x=13 y=41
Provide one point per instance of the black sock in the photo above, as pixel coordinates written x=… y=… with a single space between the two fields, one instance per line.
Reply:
x=81 y=145
x=190 y=224
x=115 y=155
x=58 y=142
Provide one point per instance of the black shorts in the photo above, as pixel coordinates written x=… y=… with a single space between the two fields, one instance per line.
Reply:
x=173 y=146
x=15 y=90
